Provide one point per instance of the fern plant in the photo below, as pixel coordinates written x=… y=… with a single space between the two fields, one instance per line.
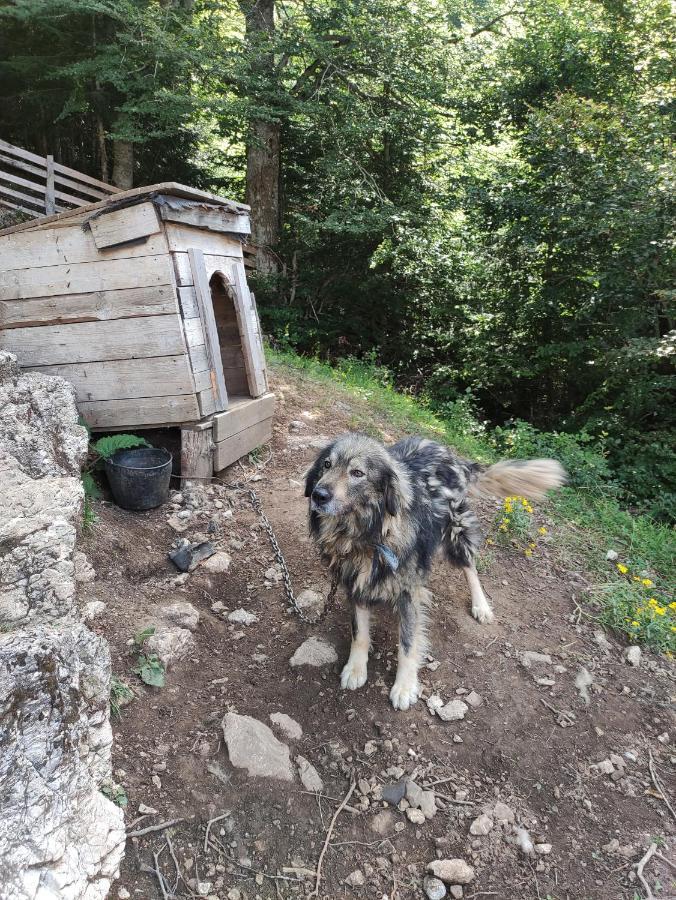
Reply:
x=102 y=449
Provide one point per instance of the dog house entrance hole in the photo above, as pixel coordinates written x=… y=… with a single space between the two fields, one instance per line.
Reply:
x=229 y=339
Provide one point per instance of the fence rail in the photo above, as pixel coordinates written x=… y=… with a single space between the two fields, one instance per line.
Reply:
x=39 y=186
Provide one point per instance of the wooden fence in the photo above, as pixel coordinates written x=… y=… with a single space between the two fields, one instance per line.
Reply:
x=38 y=186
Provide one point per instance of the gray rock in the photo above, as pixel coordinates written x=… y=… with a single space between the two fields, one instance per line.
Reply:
x=531 y=657
x=382 y=823
x=451 y=871
x=84 y=571
x=310 y=602
x=611 y=555
x=502 y=813
x=428 y=804
x=252 y=746
x=309 y=775
x=314 y=651
x=481 y=825
x=475 y=700
x=288 y=726
x=93 y=609
x=456 y=892
x=434 y=703
x=356 y=879
x=605 y=767
x=453 y=711
x=218 y=563
x=242 y=617
x=413 y=793
x=180 y=613
x=169 y=643
x=543 y=849
x=524 y=842
x=394 y=793
x=415 y=815
x=434 y=888
x=632 y=655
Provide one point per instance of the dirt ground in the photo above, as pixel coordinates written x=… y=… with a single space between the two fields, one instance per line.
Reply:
x=532 y=743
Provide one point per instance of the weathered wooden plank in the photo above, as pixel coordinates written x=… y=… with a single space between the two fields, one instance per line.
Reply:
x=71 y=244
x=124 y=379
x=46 y=191
x=211 y=263
x=206 y=308
x=52 y=345
x=98 y=306
x=202 y=378
x=207 y=402
x=82 y=278
x=123 y=225
x=40 y=171
x=194 y=333
x=198 y=360
x=214 y=218
x=19 y=152
x=104 y=414
x=233 y=448
x=252 y=344
x=188 y=298
x=196 y=453
x=38 y=202
x=183 y=237
x=242 y=414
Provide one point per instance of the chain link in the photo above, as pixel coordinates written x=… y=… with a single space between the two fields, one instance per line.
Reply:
x=288 y=589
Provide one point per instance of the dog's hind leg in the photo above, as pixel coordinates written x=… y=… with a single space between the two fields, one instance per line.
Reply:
x=355 y=672
x=461 y=543
x=412 y=609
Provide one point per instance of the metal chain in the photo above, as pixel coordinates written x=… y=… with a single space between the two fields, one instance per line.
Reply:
x=258 y=507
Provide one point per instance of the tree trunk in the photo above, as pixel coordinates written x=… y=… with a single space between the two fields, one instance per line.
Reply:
x=263 y=143
x=123 y=164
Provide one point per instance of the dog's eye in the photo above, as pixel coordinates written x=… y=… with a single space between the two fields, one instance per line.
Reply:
x=356 y=473
x=327 y=463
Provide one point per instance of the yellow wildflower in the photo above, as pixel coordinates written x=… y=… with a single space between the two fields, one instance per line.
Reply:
x=635 y=578
x=652 y=602
x=672 y=605
x=527 y=552
x=542 y=530
x=640 y=609
x=489 y=541
x=660 y=610
x=647 y=582
x=622 y=569
x=635 y=624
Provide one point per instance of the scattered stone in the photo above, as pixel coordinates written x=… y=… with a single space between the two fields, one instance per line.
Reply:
x=434 y=703
x=253 y=746
x=310 y=602
x=415 y=815
x=434 y=888
x=84 y=571
x=242 y=617
x=475 y=700
x=181 y=613
x=218 y=563
x=663 y=738
x=481 y=825
x=370 y=747
x=611 y=555
x=453 y=711
x=382 y=823
x=93 y=609
x=502 y=813
x=288 y=726
x=461 y=795
x=602 y=641
x=605 y=767
x=178 y=523
x=314 y=652
x=356 y=879
x=457 y=739
x=169 y=643
x=123 y=894
x=413 y=793
x=428 y=804
x=617 y=761
x=187 y=557
x=524 y=842
x=451 y=871
x=309 y=775
x=632 y=655
x=612 y=846
x=543 y=849
x=394 y=793
x=583 y=681
x=146 y=810
x=530 y=657
x=456 y=892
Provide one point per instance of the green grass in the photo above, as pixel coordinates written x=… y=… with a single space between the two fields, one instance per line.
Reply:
x=588 y=520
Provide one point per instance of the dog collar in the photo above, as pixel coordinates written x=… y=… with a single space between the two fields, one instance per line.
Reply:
x=388 y=556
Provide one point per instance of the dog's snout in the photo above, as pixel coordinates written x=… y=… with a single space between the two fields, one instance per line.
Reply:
x=321 y=495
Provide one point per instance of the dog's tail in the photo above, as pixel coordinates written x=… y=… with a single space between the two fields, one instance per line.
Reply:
x=530 y=478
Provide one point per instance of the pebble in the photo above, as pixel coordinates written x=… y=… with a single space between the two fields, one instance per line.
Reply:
x=543 y=849
x=416 y=816
x=356 y=879
x=611 y=555
x=428 y=804
x=370 y=747
x=528 y=657
x=434 y=888
x=475 y=700
x=457 y=739
x=632 y=655
x=605 y=767
x=314 y=652
x=413 y=793
x=124 y=894
x=524 y=842
x=452 y=871
x=242 y=617
x=434 y=703
x=393 y=793
x=309 y=775
x=456 y=892
x=503 y=813
x=157 y=781
x=453 y=711
x=146 y=810
x=288 y=726
x=481 y=825
x=218 y=563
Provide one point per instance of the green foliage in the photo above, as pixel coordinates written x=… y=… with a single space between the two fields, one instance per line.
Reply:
x=88 y=514
x=120 y=695
x=116 y=793
x=105 y=447
x=150 y=670
x=639 y=608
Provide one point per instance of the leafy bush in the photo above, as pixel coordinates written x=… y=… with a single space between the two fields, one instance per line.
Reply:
x=99 y=450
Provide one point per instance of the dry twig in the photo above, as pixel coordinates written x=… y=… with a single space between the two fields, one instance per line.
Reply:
x=209 y=824
x=162 y=825
x=658 y=784
x=315 y=892
x=650 y=852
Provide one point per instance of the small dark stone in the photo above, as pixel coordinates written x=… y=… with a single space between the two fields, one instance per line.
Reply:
x=393 y=793
x=186 y=558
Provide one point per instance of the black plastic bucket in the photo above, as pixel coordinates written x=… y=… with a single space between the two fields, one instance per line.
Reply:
x=139 y=478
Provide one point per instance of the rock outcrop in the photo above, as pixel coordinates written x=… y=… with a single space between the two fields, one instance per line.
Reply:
x=60 y=837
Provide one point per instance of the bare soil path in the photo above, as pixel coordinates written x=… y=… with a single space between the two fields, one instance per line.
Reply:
x=532 y=743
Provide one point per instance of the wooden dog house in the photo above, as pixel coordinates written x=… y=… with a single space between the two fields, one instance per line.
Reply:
x=141 y=301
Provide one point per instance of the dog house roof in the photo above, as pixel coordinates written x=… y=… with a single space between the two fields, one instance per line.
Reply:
x=165 y=192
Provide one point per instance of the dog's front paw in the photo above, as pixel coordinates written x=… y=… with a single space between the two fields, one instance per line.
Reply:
x=483 y=613
x=354 y=675
x=404 y=694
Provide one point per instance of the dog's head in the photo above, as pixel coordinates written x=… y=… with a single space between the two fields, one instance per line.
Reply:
x=355 y=475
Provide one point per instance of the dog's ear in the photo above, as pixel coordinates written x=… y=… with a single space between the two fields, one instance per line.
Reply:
x=394 y=498
x=315 y=472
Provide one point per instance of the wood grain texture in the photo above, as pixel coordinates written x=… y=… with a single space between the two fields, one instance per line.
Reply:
x=211 y=263
x=212 y=219
x=204 y=301
x=82 y=278
x=104 y=414
x=52 y=345
x=242 y=414
x=95 y=307
x=188 y=300
x=126 y=224
x=125 y=379
x=233 y=448
x=196 y=453
x=182 y=238
x=252 y=344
